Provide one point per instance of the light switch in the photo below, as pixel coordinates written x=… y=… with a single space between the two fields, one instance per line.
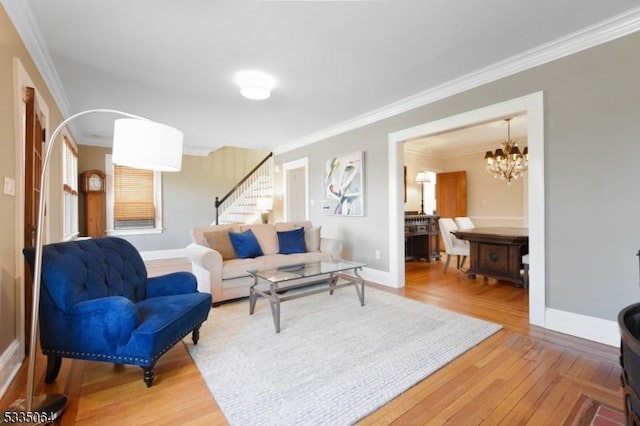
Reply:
x=9 y=186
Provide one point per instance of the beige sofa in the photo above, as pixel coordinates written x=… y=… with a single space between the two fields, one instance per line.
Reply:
x=225 y=276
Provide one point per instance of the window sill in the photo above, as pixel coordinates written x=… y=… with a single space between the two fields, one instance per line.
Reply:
x=119 y=232
x=71 y=237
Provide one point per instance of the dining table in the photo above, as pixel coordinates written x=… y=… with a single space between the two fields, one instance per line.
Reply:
x=496 y=252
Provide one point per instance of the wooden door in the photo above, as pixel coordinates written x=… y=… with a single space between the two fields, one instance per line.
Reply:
x=34 y=145
x=451 y=194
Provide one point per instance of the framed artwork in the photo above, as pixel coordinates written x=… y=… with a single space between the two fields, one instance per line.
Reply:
x=343 y=193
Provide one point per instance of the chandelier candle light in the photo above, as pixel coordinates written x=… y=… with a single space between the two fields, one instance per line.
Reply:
x=508 y=163
x=137 y=142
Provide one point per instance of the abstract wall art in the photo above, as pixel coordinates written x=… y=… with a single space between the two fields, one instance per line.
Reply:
x=343 y=190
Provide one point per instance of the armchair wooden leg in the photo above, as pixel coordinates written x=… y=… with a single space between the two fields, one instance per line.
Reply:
x=148 y=375
x=53 y=368
x=195 y=335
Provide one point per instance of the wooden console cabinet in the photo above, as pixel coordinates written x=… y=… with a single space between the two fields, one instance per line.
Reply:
x=421 y=237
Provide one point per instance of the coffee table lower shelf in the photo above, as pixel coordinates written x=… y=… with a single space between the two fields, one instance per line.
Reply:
x=281 y=290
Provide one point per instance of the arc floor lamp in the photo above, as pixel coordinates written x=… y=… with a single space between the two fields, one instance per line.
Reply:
x=137 y=142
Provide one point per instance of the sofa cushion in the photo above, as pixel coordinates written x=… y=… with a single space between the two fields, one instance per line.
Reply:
x=266 y=235
x=312 y=238
x=221 y=242
x=197 y=233
x=288 y=226
x=245 y=244
x=235 y=268
x=291 y=241
x=278 y=260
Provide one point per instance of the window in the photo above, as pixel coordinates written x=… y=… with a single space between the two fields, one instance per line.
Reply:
x=133 y=200
x=70 y=188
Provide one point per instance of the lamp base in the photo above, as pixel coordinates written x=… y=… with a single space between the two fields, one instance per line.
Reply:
x=45 y=409
x=264 y=216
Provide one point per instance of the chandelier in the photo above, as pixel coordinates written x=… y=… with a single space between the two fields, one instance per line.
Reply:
x=507 y=163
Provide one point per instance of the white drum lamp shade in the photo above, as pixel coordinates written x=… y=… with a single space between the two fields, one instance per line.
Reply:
x=145 y=144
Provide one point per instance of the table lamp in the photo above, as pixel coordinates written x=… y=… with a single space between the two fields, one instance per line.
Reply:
x=422 y=177
x=264 y=205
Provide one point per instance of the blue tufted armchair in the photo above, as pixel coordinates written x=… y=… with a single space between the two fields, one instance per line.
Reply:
x=97 y=303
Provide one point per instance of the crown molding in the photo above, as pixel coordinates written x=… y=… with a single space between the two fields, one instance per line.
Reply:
x=594 y=35
x=22 y=18
x=453 y=154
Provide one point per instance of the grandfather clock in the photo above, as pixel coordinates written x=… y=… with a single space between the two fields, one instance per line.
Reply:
x=93 y=185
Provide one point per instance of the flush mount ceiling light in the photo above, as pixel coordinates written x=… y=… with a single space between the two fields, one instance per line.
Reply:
x=255 y=84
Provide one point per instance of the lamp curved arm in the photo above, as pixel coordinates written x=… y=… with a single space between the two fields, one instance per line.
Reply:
x=37 y=268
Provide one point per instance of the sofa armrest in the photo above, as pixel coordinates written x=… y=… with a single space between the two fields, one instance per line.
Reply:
x=107 y=322
x=331 y=246
x=204 y=257
x=170 y=284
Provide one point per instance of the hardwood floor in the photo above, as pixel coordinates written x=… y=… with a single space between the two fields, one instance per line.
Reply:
x=521 y=375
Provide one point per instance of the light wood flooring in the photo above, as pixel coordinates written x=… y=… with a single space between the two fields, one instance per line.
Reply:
x=521 y=375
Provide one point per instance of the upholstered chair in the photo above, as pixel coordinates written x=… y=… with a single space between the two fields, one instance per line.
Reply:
x=97 y=303
x=452 y=245
x=464 y=223
x=525 y=262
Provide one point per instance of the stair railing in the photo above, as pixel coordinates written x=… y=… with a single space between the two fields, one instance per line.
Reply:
x=242 y=186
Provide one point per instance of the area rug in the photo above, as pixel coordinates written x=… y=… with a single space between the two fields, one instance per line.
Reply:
x=334 y=361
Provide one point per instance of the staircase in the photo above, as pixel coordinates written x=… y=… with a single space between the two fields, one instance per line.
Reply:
x=239 y=205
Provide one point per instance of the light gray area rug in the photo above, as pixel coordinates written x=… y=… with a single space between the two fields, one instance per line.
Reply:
x=333 y=363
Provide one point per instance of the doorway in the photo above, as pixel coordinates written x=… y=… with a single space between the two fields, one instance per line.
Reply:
x=27 y=103
x=532 y=106
x=296 y=190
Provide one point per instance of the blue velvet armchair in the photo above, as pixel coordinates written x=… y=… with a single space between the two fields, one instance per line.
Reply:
x=97 y=303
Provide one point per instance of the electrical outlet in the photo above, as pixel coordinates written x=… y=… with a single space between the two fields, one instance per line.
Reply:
x=9 y=186
x=377 y=254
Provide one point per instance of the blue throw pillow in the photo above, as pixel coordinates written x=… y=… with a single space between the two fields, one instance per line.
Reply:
x=245 y=244
x=292 y=241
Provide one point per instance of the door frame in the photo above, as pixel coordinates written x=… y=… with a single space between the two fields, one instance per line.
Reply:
x=22 y=79
x=533 y=106
x=301 y=163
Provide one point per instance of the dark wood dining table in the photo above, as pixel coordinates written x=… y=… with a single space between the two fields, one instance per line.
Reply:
x=496 y=252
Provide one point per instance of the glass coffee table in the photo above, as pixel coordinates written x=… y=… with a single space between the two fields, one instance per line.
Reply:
x=294 y=281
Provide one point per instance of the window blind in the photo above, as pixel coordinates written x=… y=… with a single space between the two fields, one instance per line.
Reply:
x=133 y=197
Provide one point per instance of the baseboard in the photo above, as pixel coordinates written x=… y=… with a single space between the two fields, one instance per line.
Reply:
x=591 y=328
x=162 y=254
x=376 y=276
x=10 y=362
x=379 y=277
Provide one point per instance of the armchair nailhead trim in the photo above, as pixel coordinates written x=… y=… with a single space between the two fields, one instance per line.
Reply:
x=119 y=358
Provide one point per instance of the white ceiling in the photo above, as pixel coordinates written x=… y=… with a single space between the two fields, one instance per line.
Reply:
x=473 y=139
x=333 y=61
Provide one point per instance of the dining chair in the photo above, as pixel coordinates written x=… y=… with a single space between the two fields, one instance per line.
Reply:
x=452 y=245
x=464 y=223
x=525 y=261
